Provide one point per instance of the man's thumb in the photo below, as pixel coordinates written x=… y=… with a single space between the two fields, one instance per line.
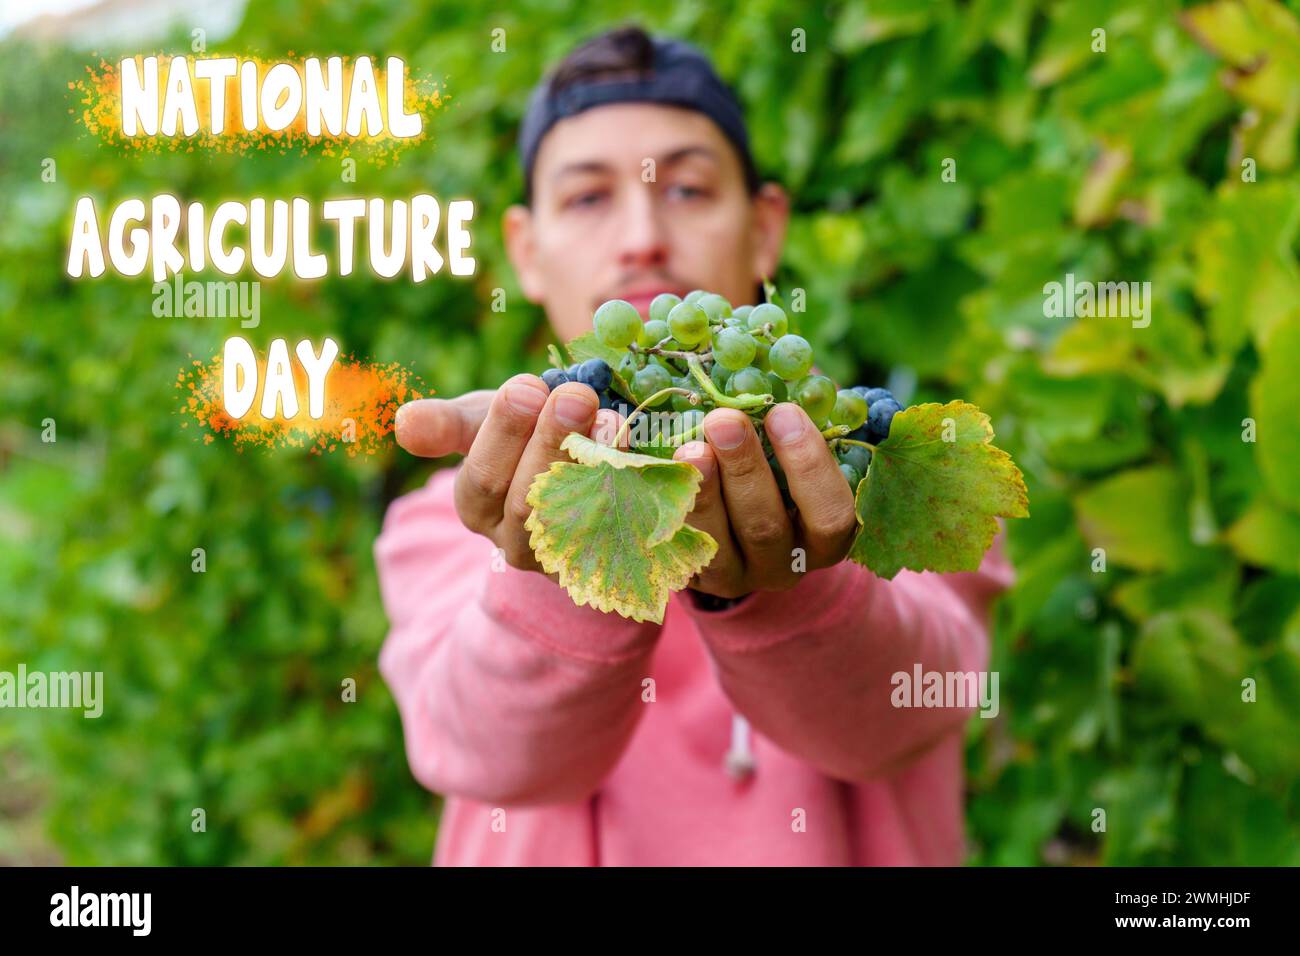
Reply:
x=434 y=427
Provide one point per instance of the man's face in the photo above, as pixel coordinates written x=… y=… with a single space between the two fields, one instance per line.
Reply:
x=634 y=199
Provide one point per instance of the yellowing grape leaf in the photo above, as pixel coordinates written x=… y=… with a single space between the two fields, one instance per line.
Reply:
x=933 y=492
x=612 y=525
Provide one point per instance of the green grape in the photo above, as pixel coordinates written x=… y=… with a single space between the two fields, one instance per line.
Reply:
x=791 y=356
x=850 y=409
x=617 y=324
x=777 y=387
x=694 y=295
x=741 y=312
x=747 y=381
x=816 y=394
x=715 y=306
x=765 y=314
x=689 y=323
x=653 y=332
x=719 y=375
x=627 y=367
x=682 y=403
x=647 y=381
x=731 y=322
x=733 y=349
x=761 y=352
x=857 y=456
x=665 y=363
x=851 y=475
x=661 y=305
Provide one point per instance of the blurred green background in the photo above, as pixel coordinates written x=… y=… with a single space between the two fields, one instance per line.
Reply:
x=1168 y=157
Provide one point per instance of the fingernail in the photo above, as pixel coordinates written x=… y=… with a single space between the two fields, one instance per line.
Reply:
x=572 y=411
x=725 y=432
x=784 y=423
x=697 y=453
x=605 y=427
x=525 y=399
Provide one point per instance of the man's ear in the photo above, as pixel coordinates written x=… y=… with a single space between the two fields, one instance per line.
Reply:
x=517 y=231
x=771 y=216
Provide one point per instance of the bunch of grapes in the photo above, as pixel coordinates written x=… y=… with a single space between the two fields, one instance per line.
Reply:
x=697 y=353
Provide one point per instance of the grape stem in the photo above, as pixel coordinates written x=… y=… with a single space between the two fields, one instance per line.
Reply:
x=654 y=399
x=861 y=444
x=743 y=402
x=668 y=353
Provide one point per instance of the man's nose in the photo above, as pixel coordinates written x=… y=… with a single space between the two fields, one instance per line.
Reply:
x=642 y=234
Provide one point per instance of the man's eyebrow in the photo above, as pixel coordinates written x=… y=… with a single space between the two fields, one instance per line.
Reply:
x=688 y=151
x=587 y=166
x=596 y=166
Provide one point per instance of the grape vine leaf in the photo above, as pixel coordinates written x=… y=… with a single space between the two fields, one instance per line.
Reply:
x=612 y=525
x=587 y=346
x=933 y=492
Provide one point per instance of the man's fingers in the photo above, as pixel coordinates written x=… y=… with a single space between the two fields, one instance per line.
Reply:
x=483 y=481
x=824 y=499
x=433 y=427
x=725 y=574
x=754 y=507
x=570 y=408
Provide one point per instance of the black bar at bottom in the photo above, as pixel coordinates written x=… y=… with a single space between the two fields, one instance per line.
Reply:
x=334 y=906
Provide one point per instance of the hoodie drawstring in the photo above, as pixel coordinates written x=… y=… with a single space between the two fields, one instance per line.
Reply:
x=739 y=761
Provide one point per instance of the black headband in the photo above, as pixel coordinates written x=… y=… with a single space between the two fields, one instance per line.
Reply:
x=681 y=76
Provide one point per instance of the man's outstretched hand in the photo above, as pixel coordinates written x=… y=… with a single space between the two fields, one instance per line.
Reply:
x=507 y=436
x=510 y=435
x=740 y=505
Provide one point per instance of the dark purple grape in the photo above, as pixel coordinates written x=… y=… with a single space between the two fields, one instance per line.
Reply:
x=873 y=395
x=596 y=373
x=554 y=378
x=880 y=417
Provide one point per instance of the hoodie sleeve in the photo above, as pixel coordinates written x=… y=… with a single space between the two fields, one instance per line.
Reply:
x=813 y=668
x=509 y=693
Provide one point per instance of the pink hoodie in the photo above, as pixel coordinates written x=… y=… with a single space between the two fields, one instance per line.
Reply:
x=564 y=736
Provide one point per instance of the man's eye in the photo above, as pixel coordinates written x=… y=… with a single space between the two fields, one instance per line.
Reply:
x=584 y=200
x=683 y=191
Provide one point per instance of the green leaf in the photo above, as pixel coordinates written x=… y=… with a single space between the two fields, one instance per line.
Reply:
x=1245 y=270
x=1274 y=398
x=1195 y=661
x=1140 y=518
x=587 y=346
x=612 y=525
x=1210 y=583
x=933 y=492
x=1267 y=535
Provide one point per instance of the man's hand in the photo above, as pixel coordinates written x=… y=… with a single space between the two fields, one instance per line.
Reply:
x=740 y=505
x=507 y=437
x=510 y=435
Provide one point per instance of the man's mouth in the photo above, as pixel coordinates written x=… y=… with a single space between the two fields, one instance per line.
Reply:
x=640 y=299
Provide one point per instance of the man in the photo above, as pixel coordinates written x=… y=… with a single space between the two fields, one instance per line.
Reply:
x=564 y=736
